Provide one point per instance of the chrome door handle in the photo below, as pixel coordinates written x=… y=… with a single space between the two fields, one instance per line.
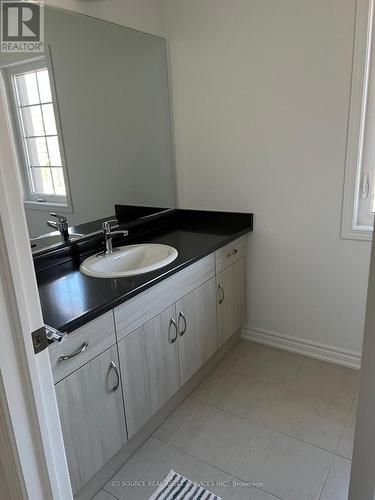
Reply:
x=112 y=366
x=182 y=316
x=53 y=334
x=172 y=340
x=221 y=289
x=81 y=349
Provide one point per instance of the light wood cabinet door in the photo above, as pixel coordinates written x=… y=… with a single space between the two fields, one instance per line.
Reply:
x=231 y=297
x=197 y=327
x=92 y=416
x=162 y=357
x=135 y=380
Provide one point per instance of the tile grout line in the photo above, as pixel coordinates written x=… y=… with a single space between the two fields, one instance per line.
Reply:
x=171 y=445
x=282 y=394
x=211 y=405
x=295 y=378
x=210 y=373
x=168 y=443
x=326 y=477
x=117 y=498
x=146 y=469
x=242 y=460
x=220 y=383
x=108 y=493
x=245 y=455
x=183 y=426
x=265 y=426
x=299 y=440
x=345 y=426
x=286 y=386
x=219 y=469
x=204 y=401
x=342 y=456
x=259 y=488
x=255 y=488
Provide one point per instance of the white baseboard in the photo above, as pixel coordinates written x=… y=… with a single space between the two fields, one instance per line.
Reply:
x=344 y=357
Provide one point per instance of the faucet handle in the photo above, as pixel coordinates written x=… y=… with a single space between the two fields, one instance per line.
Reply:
x=108 y=225
x=60 y=218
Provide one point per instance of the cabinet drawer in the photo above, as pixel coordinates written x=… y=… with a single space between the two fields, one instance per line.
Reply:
x=137 y=311
x=229 y=254
x=99 y=334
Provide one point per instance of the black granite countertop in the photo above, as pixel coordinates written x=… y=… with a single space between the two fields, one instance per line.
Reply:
x=70 y=299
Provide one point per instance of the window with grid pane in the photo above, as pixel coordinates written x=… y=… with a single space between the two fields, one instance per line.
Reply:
x=39 y=133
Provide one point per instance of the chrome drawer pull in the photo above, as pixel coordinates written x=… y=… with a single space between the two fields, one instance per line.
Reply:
x=221 y=289
x=83 y=348
x=182 y=316
x=112 y=365
x=230 y=254
x=172 y=340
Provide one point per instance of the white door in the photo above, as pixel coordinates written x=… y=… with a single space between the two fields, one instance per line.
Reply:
x=362 y=481
x=26 y=378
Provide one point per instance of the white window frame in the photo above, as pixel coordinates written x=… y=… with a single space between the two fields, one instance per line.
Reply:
x=58 y=203
x=355 y=224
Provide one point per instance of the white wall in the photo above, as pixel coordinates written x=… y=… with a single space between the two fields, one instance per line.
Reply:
x=143 y=15
x=261 y=97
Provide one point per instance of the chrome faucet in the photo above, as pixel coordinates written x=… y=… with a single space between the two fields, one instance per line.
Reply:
x=61 y=225
x=107 y=227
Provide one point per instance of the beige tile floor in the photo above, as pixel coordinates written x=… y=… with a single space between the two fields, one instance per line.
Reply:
x=264 y=416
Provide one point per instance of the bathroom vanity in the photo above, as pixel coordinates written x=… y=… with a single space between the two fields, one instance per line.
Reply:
x=136 y=343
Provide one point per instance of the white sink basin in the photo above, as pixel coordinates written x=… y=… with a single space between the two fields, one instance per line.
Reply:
x=129 y=261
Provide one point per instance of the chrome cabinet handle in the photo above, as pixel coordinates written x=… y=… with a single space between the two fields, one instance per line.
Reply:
x=172 y=340
x=81 y=349
x=112 y=366
x=182 y=316
x=230 y=254
x=221 y=289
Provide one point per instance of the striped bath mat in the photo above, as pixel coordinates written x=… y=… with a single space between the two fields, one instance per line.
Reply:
x=177 y=487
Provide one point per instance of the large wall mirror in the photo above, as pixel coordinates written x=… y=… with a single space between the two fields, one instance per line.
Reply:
x=91 y=123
